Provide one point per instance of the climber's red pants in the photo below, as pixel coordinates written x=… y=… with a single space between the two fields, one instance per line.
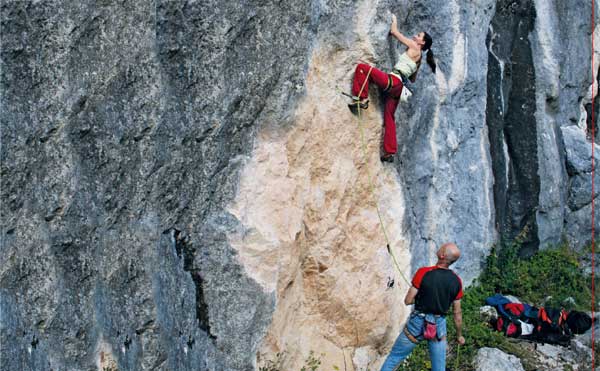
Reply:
x=392 y=98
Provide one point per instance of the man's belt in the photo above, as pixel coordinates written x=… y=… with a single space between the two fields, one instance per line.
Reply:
x=422 y=314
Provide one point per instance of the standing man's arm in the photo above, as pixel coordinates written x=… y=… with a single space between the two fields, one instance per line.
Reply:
x=410 y=295
x=457 y=312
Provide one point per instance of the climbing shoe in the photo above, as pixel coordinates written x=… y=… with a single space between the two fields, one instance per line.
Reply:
x=388 y=157
x=357 y=102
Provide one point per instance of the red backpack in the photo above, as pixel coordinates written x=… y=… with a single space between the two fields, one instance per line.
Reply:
x=508 y=321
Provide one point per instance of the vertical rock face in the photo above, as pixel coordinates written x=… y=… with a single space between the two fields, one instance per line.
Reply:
x=123 y=124
x=575 y=123
x=511 y=120
x=183 y=187
x=579 y=202
x=538 y=86
x=563 y=91
x=311 y=229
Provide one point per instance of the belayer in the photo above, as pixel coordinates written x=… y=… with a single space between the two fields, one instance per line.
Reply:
x=434 y=290
x=392 y=84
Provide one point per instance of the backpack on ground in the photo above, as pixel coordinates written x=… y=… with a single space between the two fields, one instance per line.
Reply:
x=544 y=324
x=551 y=327
x=578 y=322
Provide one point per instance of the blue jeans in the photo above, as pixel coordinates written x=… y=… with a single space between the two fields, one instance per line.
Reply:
x=403 y=346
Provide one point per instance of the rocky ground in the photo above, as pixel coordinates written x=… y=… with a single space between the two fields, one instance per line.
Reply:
x=544 y=357
x=577 y=356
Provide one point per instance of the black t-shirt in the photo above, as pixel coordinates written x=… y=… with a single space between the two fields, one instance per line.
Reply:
x=438 y=288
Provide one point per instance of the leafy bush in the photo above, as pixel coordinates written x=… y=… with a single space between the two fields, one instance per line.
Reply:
x=554 y=273
x=311 y=363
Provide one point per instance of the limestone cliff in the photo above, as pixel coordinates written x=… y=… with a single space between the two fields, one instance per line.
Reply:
x=184 y=188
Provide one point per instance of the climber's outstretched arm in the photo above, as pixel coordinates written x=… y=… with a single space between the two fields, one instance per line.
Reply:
x=403 y=39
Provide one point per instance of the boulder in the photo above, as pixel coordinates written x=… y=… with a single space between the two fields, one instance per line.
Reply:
x=578 y=150
x=492 y=359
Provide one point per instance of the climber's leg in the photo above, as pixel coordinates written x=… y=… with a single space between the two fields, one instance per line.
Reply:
x=389 y=136
x=391 y=103
x=377 y=76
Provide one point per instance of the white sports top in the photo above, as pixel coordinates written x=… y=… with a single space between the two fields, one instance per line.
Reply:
x=405 y=66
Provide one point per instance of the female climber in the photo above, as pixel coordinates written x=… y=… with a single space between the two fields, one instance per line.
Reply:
x=392 y=83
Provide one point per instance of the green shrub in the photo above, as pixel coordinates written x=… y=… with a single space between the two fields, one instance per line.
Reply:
x=554 y=273
x=311 y=363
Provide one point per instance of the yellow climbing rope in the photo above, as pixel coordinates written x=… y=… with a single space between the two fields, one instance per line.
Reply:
x=371 y=185
x=372 y=190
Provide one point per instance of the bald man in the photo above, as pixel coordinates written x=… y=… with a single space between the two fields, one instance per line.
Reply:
x=434 y=289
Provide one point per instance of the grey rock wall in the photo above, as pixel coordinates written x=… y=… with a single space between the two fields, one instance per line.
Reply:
x=538 y=86
x=580 y=196
x=122 y=123
x=562 y=93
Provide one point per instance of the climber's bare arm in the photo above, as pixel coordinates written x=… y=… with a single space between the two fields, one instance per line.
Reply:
x=398 y=35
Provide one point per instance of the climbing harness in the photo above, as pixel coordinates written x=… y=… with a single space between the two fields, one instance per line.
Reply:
x=405 y=94
x=372 y=186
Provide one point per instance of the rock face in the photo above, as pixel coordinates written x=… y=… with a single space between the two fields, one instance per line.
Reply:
x=579 y=201
x=511 y=108
x=183 y=187
x=492 y=359
x=123 y=127
x=534 y=90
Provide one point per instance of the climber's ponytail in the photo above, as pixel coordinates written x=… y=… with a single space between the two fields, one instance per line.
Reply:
x=431 y=60
x=427 y=46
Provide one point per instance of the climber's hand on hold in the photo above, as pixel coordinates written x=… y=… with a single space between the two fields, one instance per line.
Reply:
x=394 y=25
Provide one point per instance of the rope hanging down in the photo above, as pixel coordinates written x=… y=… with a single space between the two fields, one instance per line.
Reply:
x=372 y=186
x=372 y=189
